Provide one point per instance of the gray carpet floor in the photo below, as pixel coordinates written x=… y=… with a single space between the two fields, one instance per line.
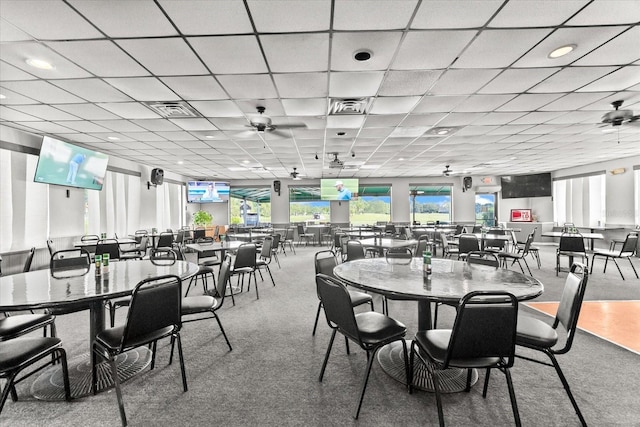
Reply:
x=271 y=376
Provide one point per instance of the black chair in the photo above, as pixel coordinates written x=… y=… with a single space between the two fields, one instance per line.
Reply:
x=355 y=250
x=467 y=243
x=492 y=242
x=303 y=235
x=423 y=245
x=12 y=326
x=139 y=251
x=245 y=263
x=540 y=336
x=20 y=353
x=154 y=314
x=571 y=245
x=483 y=258
x=263 y=261
x=627 y=250
x=370 y=330
x=109 y=247
x=447 y=250
x=207 y=304
x=207 y=260
x=483 y=336
x=518 y=256
x=275 y=247
x=288 y=241
x=70 y=262
x=165 y=240
x=324 y=262
x=199 y=233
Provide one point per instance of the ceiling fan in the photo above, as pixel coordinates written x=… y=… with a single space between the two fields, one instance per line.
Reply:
x=263 y=124
x=295 y=174
x=447 y=171
x=617 y=117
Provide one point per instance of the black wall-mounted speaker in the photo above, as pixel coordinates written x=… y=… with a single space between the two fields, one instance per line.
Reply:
x=157 y=176
x=467 y=182
x=276 y=187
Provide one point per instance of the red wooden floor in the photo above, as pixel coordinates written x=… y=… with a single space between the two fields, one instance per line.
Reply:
x=614 y=321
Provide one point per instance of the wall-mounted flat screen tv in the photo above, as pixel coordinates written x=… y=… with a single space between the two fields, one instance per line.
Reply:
x=339 y=189
x=61 y=163
x=207 y=191
x=518 y=186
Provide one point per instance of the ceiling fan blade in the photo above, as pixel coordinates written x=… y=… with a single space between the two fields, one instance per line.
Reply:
x=291 y=126
x=279 y=133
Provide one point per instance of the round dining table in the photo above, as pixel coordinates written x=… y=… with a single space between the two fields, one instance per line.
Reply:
x=82 y=289
x=449 y=281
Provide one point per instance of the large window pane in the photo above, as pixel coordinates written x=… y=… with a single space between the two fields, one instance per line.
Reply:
x=250 y=206
x=430 y=204
x=372 y=206
x=305 y=205
x=580 y=200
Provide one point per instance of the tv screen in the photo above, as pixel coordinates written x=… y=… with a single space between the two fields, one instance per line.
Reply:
x=517 y=186
x=339 y=189
x=61 y=163
x=207 y=192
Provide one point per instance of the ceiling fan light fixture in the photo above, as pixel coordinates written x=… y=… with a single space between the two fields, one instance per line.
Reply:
x=562 y=51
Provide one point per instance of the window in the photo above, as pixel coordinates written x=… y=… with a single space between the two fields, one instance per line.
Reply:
x=250 y=206
x=430 y=204
x=372 y=206
x=305 y=205
x=486 y=209
x=580 y=200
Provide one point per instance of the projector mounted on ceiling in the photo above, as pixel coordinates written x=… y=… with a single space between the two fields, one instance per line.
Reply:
x=335 y=163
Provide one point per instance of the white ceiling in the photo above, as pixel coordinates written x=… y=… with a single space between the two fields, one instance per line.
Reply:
x=477 y=68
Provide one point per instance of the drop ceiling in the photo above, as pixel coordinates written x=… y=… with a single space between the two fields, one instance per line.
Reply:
x=468 y=84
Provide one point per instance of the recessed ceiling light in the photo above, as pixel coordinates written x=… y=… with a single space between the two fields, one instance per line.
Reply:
x=443 y=132
x=209 y=136
x=362 y=55
x=2 y=96
x=562 y=51
x=401 y=158
x=180 y=162
x=113 y=138
x=39 y=63
x=245 y=161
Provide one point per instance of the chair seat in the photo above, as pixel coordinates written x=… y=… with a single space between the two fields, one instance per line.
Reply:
x=571 y=253
x=359 y=298
x=197 y=304
x=13 y=326
x=130 y=255
x=112 y=338
x=375 y=327
x=533 y=332
x=204 y=269
x=242 y=270
x=609 y=253
x=16 y=352
x=436 y=341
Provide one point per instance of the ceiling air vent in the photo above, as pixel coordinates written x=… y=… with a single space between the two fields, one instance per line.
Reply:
x=173 y=110
x=349 y=106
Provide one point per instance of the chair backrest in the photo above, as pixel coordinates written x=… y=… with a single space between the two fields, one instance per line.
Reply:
x=571 y=303
x=300 y=229
x=477 y=229
x=324 y=262
x=494 y=243
x=337 y=236
x=198 y=233
x=144 y=244
x=50 y=246
x=468 y=243
x=155 y=304
x=390 y=229
x=483 y=258
x=403 y=253
x=70 y=259
x=245 y=256
x=630 y=245
x=571 y=243
x=289 y=234
x=355 y=250
x=485 y=326
x=165 y=240
x=163 y=256
x=265 y=251
x=337 y=306
x=108 y=246
x=527 y=244
x=276 y=242
x=423 y=244
x=29 y=260
x=223 y=278
x=89 y=237
x=179 y=237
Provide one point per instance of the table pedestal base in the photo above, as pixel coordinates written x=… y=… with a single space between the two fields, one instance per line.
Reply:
x=452 y=380
x=49 y=384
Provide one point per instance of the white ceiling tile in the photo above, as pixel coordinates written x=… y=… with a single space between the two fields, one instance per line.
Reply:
x=353 y=85
x=129 y=110
x=195 y=87
x=143 y=88
x=46 y=127
x=140 y=18
x=42 y=91
x=497 y=118
x=85 y=126
x=498 y=48
x=194 y=124
x=248 y=86
x=217 y=108
x=92 y=90
x=431 y=49
x=143 y=136
x=230 y=55
x=517 y=80
x=18 y=53
x=296 y=52
x=536 y=14
x=461 y=82
x=12 y=98
x=482 y=103
x=404 y=83
x=585 y=39
x=47 y=19
x=273 y=107
x=528 y=102
x=394 y=104
x=423 y=119
x=608 y=12
x=570 y=79
x=301 y=85
x=349 y=122
x=166 y=56
x=86 y=111
x=120 y=125
x=574 y=101
x=455 y=13
x=372 y=14
x=9 y=72
x=391 y=120
x=305 y=107
x=45 y=112
x=194 y=17
x=536 y=117
x=621 y=50
x=274 y=16
x=459 y=119
x=381 y=45
x=620 y=79
x=10 y=33
x=17 y=116
x=156 y=125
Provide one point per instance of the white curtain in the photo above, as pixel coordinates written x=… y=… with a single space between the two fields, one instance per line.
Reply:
x=580 y=201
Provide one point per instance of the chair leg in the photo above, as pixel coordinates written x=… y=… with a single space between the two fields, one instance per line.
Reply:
x=8 y=387
x=315 y=324
x=326 y=356
x=116 y=382
x=436 y=388
x=182 y=370
x=62 y=355
x=512 y=396
x=565 y=384
x=365 y=380
x=222 y=329
x=527 y=264
x=486 y=382
x=634 y=269
x=270 y=275
x=619 y=271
